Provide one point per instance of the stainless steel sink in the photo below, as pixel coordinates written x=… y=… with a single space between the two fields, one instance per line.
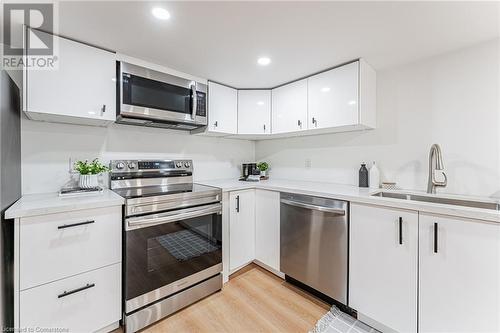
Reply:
x=440 y=200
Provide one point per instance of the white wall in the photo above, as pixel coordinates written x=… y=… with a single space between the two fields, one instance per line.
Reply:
x=47 y=147
x=452 y=99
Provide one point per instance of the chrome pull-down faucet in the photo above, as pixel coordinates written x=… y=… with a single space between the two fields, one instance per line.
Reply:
x=436 y=167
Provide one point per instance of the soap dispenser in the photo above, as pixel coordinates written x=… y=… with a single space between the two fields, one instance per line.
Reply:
x=363 y=176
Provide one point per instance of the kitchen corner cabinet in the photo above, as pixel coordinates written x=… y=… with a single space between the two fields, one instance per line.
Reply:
x=459 y=275
x=343 y=97
x=383 y=265
x=289 y=107
x=267 y=228
x=254 y=112
x=222 y=109
x=241 y=228
x=81 y=90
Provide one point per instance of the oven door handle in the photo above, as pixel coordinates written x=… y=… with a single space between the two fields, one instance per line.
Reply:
x=172 y=216
x=194 y=97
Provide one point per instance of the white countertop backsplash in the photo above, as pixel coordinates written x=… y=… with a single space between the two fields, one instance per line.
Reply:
x=360 y=195
x=50 y=203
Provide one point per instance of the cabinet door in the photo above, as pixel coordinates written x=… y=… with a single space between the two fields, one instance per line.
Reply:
x=85 y=302
x=333 y=97
x=289 y=108
x=459 y=275
x=83 y=85
x=383 y=265
x=222 y=108
x=241 y=228
x=254 y=111
x=267 y=228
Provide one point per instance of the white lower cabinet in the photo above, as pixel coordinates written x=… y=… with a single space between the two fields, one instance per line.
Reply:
x=267 y=228
x=68 y=243
x=81 y=303
x=383 y=265
x=68 y=270
x=241 y=228
x=459 y=275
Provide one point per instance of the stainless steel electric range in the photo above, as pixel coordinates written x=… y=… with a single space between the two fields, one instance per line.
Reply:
x=172 y=238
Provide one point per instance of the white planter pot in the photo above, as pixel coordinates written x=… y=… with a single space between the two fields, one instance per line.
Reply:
x=88 y=181
x=263 y=173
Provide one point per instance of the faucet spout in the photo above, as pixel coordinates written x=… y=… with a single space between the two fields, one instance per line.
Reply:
x=436 y=167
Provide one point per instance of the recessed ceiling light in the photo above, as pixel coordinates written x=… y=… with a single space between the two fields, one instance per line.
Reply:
x=263 y=61
x=160 y=13
x=352 y=103
x=325 y=89
x=260 y=103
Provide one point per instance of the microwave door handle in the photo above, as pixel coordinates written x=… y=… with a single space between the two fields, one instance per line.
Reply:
x=194 y=105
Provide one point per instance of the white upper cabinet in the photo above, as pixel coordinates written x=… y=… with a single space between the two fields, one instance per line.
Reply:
x=343 y=96
x=222 y=109
x=254 y=111
x=333 y=97
x=289 y=107
x=459 y=275
x=82 y=90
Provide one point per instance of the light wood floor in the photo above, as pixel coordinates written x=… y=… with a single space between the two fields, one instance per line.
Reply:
x=253 y=300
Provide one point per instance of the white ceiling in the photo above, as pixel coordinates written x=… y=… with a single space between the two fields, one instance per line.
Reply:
x=222 y=40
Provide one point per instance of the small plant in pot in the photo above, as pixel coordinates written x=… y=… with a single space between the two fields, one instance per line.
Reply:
x=89 y=173
x=263 y=168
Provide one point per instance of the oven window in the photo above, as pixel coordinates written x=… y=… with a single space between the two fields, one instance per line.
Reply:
x=162 y=254
x=149 y=93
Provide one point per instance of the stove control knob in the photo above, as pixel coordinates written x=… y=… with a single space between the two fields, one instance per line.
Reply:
x=131 y=165
x=120 y=165
x=178 y=164
x=187 y=165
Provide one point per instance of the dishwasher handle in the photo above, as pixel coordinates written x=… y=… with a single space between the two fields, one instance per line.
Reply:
x=331 y=210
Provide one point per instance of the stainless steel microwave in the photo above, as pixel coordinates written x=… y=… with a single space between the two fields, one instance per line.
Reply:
x=151 y=98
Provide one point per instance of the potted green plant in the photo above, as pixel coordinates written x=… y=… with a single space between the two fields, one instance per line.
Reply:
x=263 y=168
x=89 y=172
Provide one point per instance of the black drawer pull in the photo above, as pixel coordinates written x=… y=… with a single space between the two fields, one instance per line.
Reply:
x=435 y=238
x=400 y=230
x=74 y=224
x=237 y=203
x=67 y=293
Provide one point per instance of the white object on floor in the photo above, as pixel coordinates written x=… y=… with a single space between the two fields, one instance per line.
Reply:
x=335 y=321
x=374 y=177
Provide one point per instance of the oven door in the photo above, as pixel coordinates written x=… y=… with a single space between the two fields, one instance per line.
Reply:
x=148 y=94
x=170 y=251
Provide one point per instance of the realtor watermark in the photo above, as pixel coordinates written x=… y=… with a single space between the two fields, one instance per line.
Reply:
x=28 y=40
x=36 y=329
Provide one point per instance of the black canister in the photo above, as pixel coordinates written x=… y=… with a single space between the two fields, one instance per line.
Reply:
x=363 y=176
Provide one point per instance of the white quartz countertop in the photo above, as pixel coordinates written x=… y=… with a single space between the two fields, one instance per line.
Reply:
x=360 y=195
x=49 y=203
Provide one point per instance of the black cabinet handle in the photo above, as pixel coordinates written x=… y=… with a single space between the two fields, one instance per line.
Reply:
x=103 y=109
x=67 y=293
x=400 y=230
x=435 y=238
x=238 y=203
x=74 y=224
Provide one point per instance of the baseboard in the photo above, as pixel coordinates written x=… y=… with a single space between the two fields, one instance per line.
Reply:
x=269 y=268
x=109 y=328
x=375 y=324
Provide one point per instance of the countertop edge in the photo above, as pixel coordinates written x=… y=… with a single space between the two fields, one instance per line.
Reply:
x=88 y=202
x=482 y=215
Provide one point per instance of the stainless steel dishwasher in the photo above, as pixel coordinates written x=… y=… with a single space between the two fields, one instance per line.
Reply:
x=314 y=243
